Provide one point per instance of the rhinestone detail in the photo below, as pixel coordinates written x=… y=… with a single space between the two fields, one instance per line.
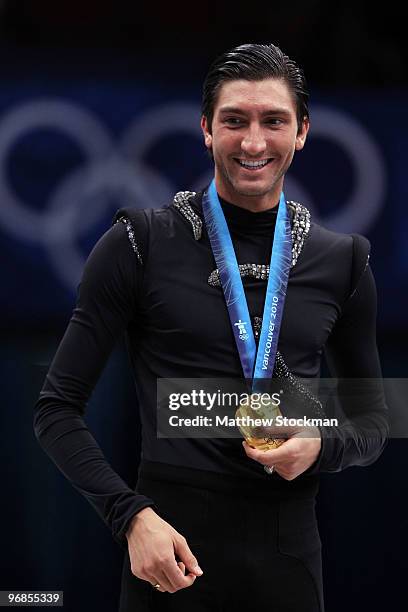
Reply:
x=300 y=229
x=259 y=271
x=181 y=202
x=131 y=235
x=300 y=223
x=282 y=371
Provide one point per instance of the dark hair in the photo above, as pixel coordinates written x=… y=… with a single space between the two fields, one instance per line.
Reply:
x=254 y=62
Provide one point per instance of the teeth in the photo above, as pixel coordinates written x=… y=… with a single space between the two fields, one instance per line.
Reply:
x=253 y=164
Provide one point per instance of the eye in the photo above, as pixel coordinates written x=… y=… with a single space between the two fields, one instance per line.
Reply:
x=274 y=121
x=233 y=121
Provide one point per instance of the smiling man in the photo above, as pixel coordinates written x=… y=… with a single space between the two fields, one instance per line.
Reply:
x=253 y=135
x=211 y=286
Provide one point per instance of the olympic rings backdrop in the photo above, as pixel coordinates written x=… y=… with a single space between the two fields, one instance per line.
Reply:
x=71 y=153
x=69 y=158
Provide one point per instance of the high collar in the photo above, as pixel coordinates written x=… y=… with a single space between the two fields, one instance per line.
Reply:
x=241 y=220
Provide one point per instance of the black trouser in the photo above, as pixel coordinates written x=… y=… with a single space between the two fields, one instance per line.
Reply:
x=253 y=552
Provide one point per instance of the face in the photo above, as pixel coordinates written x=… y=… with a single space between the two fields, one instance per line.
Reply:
x=253 y=139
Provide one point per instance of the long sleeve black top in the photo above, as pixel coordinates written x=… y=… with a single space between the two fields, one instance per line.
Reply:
x=177 y=327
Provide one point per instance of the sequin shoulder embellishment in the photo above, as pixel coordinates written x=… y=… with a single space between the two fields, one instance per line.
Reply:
x=181 y=202
x=131 y=235
x=300 y=229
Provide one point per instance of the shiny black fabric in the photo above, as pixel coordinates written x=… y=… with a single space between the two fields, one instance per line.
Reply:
x=177 y=326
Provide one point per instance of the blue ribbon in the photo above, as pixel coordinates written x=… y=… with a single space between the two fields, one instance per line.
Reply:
x=256 y=365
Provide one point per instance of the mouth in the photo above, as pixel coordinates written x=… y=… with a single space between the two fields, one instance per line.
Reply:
x=251 y=165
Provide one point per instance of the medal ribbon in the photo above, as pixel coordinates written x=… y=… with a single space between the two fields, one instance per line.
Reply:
x=255 y=364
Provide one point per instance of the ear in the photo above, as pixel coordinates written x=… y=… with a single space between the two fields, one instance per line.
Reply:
x=207 y=135
x=301 y=137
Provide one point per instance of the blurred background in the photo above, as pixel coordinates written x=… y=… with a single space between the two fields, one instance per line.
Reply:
x=100 y=108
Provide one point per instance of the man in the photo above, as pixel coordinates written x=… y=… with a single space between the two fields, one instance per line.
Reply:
x=209 y=503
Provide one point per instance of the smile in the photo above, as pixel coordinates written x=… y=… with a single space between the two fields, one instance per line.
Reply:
x=253 y=165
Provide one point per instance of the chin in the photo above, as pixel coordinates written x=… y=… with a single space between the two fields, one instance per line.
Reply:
x=252 y=192
x=246 y=189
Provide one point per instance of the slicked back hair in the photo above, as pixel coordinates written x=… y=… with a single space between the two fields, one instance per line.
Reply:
x=255 y=62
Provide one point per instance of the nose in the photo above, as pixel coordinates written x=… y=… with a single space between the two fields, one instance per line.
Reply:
x=254 y=141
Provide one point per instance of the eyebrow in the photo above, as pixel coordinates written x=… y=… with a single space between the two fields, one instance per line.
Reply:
x=271 y=111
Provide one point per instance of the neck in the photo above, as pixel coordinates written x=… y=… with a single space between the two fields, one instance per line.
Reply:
x=253 y=203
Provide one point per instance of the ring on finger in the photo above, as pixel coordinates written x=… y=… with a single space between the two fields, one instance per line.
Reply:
x=269 y=469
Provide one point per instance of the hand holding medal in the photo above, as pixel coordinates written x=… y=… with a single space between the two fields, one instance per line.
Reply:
x=255 y=436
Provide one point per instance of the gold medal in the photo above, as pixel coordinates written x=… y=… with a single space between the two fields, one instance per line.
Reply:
x=266 y=410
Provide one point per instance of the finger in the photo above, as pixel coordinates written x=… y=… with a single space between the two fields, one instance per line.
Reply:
x=175 y=576
x=186 y=556
x=183 y=569
x=283 y=456
x=182 y=566
x=269 y=457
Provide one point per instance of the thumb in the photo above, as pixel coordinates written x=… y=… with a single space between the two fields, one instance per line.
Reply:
x=184 y=553
x=181 y=566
